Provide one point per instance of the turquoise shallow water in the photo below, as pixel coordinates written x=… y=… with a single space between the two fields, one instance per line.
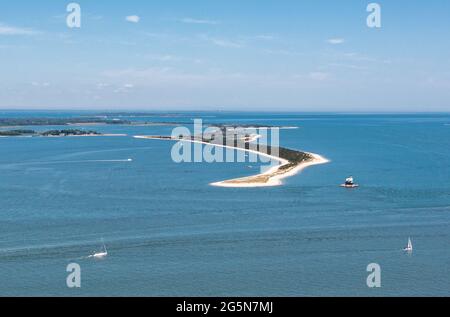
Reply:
x=169 y=233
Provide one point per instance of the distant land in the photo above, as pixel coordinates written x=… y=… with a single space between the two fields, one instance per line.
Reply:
x=20 y=122
x=104 y=120
x=139 y=114
x=51 y=133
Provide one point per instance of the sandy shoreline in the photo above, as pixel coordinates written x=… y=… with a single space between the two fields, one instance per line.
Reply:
x=272 y=177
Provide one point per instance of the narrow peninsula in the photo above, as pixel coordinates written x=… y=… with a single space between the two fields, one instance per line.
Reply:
x=287 y=163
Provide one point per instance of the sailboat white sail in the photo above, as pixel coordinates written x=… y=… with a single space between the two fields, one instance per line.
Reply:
x=409 y=248
x=102 y=254
x=350 y=183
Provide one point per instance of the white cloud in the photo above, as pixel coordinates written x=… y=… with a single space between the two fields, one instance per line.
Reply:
x=169 y=58
x=167 y=77
x=164 y=58
x=226 y=43
x=123 y=88
x=133 y=18
x=221 y=42
x=39 y=84
x=11 y=30
x=350 y=66
x=336 y=41
x=199 y=21
x=356 y=57
x=281 y=52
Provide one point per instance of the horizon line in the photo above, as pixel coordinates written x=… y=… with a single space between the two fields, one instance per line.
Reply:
x=223 y=111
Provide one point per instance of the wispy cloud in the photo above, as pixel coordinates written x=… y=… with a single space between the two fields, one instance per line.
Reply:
x=226 y=43
x=164 y=57
x=281 y=52
x=170 y=58
x=350 y=66
x=363 y=58
x=221 y=41
x=125 y=88
x=11 y=30
x=320 y=76
x=162 y=76
x=133 y=18
x=336 y=41
x=39 y=84
x=199 y=21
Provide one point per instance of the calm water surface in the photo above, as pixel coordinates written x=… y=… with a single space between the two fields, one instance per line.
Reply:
x=169 y=233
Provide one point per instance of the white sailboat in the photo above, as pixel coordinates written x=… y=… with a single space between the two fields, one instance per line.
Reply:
x=409 y=248
x=102 y=254
x=350 y=183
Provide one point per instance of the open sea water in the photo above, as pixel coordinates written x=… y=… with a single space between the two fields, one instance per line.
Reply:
x=169 y=233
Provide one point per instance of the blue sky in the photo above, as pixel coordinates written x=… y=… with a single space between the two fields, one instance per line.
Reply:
x=226 y=55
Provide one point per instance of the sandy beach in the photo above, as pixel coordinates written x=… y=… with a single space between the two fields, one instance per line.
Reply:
x=275 y=175
x=272 y=177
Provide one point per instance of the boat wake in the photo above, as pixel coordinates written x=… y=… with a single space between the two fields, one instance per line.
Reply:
x=129 y=160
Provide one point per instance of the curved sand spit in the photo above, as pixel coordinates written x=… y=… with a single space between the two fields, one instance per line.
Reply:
x=272 y=177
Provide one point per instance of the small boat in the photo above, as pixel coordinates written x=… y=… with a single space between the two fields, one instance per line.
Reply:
x=350 y=186
x=102 y=254
x=409 y=248
x=350 y=183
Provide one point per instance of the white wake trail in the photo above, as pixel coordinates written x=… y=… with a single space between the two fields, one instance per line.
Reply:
x=75 y=162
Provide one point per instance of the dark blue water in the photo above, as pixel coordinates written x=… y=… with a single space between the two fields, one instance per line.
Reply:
x=169 y=233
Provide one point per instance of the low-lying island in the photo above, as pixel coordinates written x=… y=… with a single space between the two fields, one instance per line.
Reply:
x=287 y=163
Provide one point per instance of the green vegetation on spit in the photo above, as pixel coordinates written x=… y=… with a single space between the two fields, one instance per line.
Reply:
x=242 y=141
